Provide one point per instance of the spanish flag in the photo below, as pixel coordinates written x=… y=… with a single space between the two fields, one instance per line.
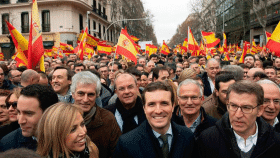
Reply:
x=82 y=45
x=135 y=39
x=274 y=43
x=164 y=49
x=225 y=43
x=90 y=40
x=185 y=45
x=148 y=48
x=192 y=44
x=126 y=46
x=21 y=45
x=35 y=45
x=268 y=36
x=210 y=39
x=1 y=56
x=254 y=48
x=103 y=48
x=245 y=48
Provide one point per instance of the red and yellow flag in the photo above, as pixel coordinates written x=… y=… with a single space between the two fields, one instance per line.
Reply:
x=274 y=43
x=210 y=39
x=185 y=45
x=134 y=38
x=164 y=48
x=225 y=43
x=254 y=48
x=103 y=48
x=21 y=45
x=126 y=46
x=82 y=44
x=246 y=46
x=35 y=46
x=268 y=36
x=90 y=40
x=192 y=44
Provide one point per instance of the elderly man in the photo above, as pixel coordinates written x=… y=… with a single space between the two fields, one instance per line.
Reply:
x=196 y=67
x=158 y=136
x=29 y=77
x=190 y=113
x=33 y=101
x=102 y=127
x=212 y=67
x=215 y=104
x=128 y=108
x=150 y=65
x=241 y=132
x=271 y=103
x=142 y=61
x=61 y=81
x=252 y=71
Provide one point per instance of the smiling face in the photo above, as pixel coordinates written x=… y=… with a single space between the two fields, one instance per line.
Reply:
x=76 y=139
x=158 y=109
x=29 y=114
x=60 y=82
x=244 y=124
x=13 y=112
x=84 y=96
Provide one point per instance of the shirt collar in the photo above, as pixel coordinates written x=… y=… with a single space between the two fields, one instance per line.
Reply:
x=196 y=123
x=169 y=132
x=275 y=121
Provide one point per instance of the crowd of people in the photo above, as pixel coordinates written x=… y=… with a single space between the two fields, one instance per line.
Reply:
x=162 y=106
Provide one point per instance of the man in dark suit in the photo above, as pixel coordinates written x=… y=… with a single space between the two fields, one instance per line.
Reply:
x=158 y=137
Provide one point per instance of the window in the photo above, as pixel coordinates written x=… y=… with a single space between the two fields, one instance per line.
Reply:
x=46 y=27
x=81 y=22
x=88 y=26
x=99 y=31
x=5 y=29
x=99 y=8
x=21 y=1
x=94 y=3
x=4 y=1
x=94 y=27
x=104 y=11
x=111 y=35
x=24 y=22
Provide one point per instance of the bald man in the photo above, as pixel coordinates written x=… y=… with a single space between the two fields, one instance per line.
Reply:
x=252 y=71
x=29 y=77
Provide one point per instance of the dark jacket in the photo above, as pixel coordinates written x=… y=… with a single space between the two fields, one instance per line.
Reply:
x=105 y=95
x=142 y=115
x=4 y=130
x=219 y=141
x=213 y=107
x=206 y=84
x=104 y=131
x=206 y=121
x=142 y=143
x=7 y=85
x=16 y=140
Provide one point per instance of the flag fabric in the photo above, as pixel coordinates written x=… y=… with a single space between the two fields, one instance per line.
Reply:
x=2 y=56
x=35 y=46
x=245 y=48
x=274 y=42
x=164 y=49
x=210 y=39
x=126 y=46
x=103 y=48
x=134 y=38
x=89 y=51
x=90 y=40
x=151 y=49
x=82 y=44
x=147 y=48
x=192 y=44
x=254 y=48
x=21 y=45
x=225 y=43
x=268 y=36
x=185 y=45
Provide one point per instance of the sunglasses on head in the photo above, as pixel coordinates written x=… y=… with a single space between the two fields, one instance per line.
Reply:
x=13 y=104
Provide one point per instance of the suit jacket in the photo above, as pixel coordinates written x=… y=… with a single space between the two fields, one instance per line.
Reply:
x=16 y=140
x=142 y=143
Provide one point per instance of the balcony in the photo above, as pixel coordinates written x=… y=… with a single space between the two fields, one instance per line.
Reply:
x=101 y=14
x=4 y=2
x=22 y=1
x=46 y=28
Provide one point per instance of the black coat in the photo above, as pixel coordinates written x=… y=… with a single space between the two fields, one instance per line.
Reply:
x=206 y=84
x=206 y=121
x=16 y=140
x=142 y=143
x=219 y=141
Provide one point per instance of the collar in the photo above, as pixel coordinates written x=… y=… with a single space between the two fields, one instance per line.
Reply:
x=196 y=123
x=67 y=94
x=246 y=145
x=275 y=121
x=169 y=132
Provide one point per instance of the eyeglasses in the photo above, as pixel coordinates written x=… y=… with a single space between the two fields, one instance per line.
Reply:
x=193 y=98
x=246 y=109
x=13 y=104
x=268 y=101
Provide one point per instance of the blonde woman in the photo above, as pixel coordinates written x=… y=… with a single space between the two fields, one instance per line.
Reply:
x=62 y=133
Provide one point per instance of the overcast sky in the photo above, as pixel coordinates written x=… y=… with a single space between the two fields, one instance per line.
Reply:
x=168 y=14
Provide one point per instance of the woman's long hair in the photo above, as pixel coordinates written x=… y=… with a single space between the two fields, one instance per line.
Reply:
x=53 y=128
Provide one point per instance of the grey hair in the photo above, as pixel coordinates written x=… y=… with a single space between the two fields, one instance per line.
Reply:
x=85 y=77
x=211 y=60
x=150 y=62
x=236 y=70
x=28 y=74
x=188 y=82
x=266 y=81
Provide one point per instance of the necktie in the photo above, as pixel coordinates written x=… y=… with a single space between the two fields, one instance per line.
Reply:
x=165 y=146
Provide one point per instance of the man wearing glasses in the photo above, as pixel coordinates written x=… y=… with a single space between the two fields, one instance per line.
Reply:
x=271 y=103
x=190 y=113
x=241 y=132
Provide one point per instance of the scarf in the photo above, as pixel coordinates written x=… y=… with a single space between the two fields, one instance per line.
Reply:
x=87 y=117
x=128 y=115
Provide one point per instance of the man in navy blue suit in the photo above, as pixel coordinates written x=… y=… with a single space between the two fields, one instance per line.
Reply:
x=158 y=137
